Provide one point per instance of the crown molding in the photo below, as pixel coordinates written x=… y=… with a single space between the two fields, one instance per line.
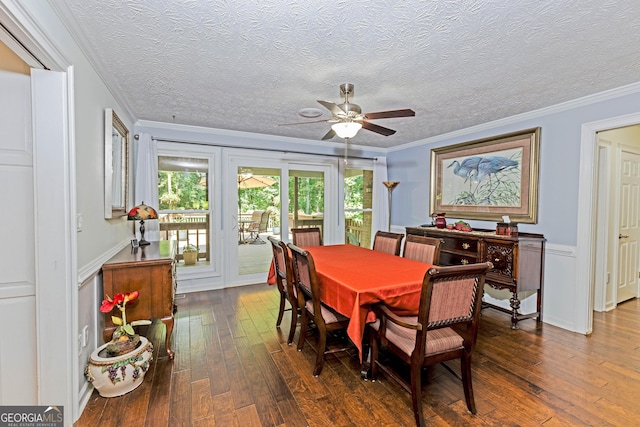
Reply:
x=215 y=132
x=553 y=109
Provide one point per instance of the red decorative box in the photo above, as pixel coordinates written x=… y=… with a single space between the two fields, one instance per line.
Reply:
x=507 y=229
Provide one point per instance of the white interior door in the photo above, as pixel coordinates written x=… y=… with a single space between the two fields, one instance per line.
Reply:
x=18 y=369
x=629 y=227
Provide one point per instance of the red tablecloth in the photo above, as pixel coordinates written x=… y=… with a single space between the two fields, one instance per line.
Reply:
x=353 y=278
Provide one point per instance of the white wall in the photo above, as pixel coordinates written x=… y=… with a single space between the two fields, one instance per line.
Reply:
x=560 y=145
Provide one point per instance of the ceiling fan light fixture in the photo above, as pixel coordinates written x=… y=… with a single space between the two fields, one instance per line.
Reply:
x=346 y=129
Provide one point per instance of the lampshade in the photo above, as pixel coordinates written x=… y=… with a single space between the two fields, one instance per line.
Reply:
x=390 y=184
x=346 y=129
x=142 y=212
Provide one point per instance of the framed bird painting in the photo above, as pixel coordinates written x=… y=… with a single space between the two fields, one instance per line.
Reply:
x=488 y=178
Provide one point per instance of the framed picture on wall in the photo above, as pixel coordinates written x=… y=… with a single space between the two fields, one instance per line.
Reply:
x=488 y=178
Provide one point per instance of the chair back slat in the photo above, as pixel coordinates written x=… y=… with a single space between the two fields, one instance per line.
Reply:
x=282 y=266
x=305 y=237
x=452 y=295
x=422 y=248
x=453 y=300
x=305 y=279
x=387 y=242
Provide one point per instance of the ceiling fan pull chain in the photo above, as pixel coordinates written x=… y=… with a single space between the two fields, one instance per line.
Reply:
x=346 y=148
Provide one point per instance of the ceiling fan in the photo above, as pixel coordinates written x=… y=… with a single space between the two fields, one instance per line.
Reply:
x=348 y=118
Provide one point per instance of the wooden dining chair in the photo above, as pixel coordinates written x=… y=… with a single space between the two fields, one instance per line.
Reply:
x=445 y=329
x=311 y=236
x=387 y=242
x=422 y=248
x=327 y=320
x=284 y=281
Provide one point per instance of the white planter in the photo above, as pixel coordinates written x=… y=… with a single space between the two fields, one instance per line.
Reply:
x=190 y=258
x=115 y=376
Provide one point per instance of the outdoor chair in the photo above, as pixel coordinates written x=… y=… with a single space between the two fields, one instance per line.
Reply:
x=445 y=329
x=422 y=248
x=311 y=236
x=327 y=320
x=284 y=281
x=387 y=242
x=259 y=227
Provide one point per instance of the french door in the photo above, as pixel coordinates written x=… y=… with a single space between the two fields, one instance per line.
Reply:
x=268 y=197
x=187 y=201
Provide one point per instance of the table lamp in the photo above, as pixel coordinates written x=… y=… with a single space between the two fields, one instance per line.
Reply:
x=142 y=212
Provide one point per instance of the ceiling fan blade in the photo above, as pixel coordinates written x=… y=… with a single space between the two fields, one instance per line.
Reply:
x=390 y=114
x=303 y=123
x=333 y=107
x=377 y=129
x=329 y=135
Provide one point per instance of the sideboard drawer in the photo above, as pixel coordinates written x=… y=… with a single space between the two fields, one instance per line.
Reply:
x=465 y=245
x=454 y=258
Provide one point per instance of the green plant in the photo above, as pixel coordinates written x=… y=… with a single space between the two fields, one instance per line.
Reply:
x=190 y=248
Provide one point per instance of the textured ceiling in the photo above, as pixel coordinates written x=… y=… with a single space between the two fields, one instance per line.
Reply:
x=248 y=66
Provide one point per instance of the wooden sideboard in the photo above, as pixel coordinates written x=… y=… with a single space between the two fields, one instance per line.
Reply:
x=149 y=270
x=518 y=262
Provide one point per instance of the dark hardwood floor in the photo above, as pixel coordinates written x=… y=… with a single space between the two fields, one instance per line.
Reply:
x=233 y=368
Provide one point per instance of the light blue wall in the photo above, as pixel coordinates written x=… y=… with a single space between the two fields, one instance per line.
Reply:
x=558 y=164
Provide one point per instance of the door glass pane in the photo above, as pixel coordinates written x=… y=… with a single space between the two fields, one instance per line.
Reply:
x=183 y=198
x=306 y=199
x=258 y=217
x=358 y=198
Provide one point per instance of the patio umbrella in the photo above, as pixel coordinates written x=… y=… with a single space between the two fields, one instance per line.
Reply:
x=252 y=181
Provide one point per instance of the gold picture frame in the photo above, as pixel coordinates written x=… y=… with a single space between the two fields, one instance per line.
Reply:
x=116 y=165
x=488 y=178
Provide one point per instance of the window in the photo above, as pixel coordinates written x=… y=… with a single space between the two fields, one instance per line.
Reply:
x=358 y=198
x=183 y=196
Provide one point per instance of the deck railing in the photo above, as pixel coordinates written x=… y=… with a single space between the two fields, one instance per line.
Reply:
x=187 y=229
x=353 y=230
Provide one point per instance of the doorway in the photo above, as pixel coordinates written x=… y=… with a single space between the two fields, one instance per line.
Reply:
x=618 y=229
x=589 y=265
x=269 y=197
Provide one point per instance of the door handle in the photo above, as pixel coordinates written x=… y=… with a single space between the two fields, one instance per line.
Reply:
x=622 y=236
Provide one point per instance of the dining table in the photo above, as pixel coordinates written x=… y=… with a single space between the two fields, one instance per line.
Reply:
x=352 y=279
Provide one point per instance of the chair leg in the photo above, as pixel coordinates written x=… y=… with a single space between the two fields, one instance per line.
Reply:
x=294 y=322
x=303 y=329
x=467 y=385
x=416 y=393
x=374 y=346
x=281 y=310
x=320 y=349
